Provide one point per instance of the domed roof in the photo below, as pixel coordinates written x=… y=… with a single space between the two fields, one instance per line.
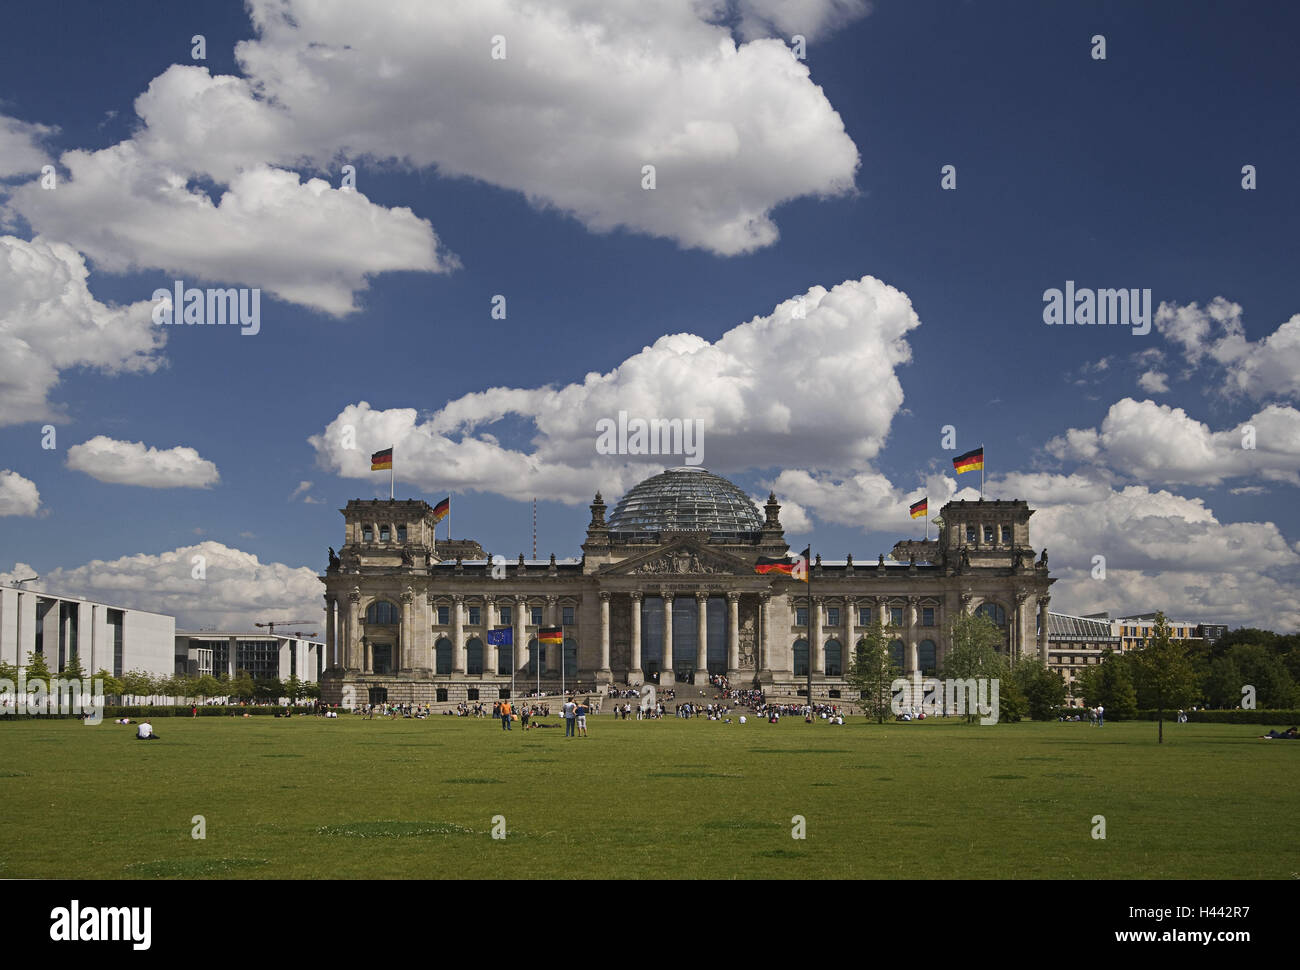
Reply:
x=687 y=499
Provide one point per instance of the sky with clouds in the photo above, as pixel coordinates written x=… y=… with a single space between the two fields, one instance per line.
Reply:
x=796 y=277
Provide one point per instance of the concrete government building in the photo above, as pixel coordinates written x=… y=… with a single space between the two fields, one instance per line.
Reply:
x=666 y=591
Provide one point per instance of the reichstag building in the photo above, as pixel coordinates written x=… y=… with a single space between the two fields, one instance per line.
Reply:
x=666 y=592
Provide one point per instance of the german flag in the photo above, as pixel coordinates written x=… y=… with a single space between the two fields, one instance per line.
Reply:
x=920 y=509
x=972 y=461
x=767 y=564
x=441 y=509
x=550 y=634
x=381 y=460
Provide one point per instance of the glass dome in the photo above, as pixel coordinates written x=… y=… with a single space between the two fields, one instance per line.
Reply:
x=686 y=499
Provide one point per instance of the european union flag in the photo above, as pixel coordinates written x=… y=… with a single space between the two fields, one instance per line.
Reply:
x=501 y=638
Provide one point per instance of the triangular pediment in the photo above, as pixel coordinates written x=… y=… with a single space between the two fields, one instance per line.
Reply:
x=684 y=556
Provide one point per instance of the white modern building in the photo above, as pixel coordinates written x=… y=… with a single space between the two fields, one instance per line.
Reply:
x=263 y=655
x=101 y=636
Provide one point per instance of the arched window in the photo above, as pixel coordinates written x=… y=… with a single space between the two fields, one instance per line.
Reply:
x=536 y=657
x=927 y=657
x=474 y=656
x=801 y=658
x=382 y=611
x=570 y=657
x=505 y=658
x=834 y=659
x=994 y=612
x=442 y=656
x=896 y=653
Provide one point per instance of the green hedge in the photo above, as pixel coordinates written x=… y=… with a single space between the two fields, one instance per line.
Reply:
x=1284 y=719
x=205 y=710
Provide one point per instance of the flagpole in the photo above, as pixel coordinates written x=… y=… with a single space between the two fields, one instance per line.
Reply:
x=983 y=456
x=391 y=474
x=808 y=566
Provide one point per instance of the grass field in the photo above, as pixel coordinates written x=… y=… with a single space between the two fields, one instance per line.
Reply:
x=349 y=798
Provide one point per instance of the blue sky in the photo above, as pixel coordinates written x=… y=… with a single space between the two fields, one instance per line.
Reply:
x=1122 y=172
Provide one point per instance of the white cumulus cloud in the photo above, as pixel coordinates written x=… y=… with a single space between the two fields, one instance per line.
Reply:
x=134 y=463
x=18 y=495
x=813 y=382
x=50 y=323
x=237 y=590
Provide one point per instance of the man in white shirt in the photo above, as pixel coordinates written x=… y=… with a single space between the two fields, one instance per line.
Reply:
x=570 y=718
x=144 y=732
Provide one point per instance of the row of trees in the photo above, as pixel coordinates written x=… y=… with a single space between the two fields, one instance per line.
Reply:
x=1246 y=667
x=140 y=683
x=1027 y=689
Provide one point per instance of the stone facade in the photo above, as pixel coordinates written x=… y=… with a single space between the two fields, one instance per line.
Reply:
x=407 y=619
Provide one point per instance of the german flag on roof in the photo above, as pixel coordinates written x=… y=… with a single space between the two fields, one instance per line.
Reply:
x=919 y=509
x=381 y=460
x=441 y=509
x=972 y=461
x=768 y=564
x=550 y=634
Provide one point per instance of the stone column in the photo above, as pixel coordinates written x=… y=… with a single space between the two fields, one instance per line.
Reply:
x=552 y=619
x=331 y=641
x=666 y=676
x=489 y=651
x=403 y=654
x=521 y=634
x=733 y=636
x=764 y=660
x=458 y=634
x=913 y=661
x=356 y=659
x=816 y=649
x=701 y=638
x=1042 y=628
x=604 y=673
x=636 y=675
x=1022 y=642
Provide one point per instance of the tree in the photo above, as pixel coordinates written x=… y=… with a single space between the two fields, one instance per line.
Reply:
x=872 y=672
x=36 y=668
x=311 y=690
x=111 y=685
x=974 y=652
x=1264 y=670
x=1221 y=683
x=268 y=689
x=1110 y=685
x=1043 y=689
x=138 y=683
x=293 y=688
x=242 y=686
x=1162 y=671
x=208 y=686
x=72 y=669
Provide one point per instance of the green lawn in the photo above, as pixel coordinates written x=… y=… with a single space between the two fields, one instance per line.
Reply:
x=365 y=799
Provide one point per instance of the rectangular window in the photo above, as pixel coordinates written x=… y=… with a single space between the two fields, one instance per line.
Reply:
x=367 y=534
x=864 y=616
x=444 y=615
x=567 y=614
x=504 y=613
x=472 y=693
x=401 y=533
x=441 y=695
x=384 y=533
x=988 y=534
x=536 y=612
x=801 y=616
x=1006 y=535
x=832 y=616
x=475 y=615
x=927 y=616
x=895 y=616
x=970 y=533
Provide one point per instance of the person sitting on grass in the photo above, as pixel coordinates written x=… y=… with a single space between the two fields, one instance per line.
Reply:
x=144 y=732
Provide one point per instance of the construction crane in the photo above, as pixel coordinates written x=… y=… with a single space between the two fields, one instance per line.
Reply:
x=299 y=635
x=274 y=623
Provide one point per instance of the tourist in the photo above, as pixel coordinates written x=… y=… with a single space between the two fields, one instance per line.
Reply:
x=504 y=713
x=1101 y=716
x=582 y=711
x=570 y=717
x=144 y=732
